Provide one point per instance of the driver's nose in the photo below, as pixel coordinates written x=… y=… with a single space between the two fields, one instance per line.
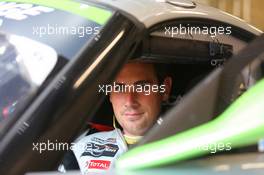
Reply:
x=131 y=99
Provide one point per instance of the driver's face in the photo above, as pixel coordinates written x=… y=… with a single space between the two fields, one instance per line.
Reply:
x=135 y=111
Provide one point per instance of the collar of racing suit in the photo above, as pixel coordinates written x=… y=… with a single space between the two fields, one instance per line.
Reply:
x=130 y=140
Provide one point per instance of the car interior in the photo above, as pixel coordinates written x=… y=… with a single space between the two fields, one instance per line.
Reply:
x=187 y=59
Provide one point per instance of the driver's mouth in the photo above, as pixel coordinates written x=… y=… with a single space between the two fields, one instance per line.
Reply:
x=133 y=115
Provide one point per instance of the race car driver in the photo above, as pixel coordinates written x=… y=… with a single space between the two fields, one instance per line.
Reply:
x=136 y=100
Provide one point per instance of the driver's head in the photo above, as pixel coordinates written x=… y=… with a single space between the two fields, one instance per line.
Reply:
x=137 y=109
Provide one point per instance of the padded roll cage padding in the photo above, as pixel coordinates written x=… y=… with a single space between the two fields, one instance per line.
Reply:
x=177 y=50
x=208 y=99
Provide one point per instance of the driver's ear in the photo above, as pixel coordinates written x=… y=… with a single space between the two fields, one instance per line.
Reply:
x=168 y=83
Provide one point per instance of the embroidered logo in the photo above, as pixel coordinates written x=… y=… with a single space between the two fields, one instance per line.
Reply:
x=98 y=150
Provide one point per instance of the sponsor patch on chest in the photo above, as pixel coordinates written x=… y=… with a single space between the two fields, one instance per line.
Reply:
x=98 y=164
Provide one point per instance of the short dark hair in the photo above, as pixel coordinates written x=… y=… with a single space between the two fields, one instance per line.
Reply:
x=161 y=70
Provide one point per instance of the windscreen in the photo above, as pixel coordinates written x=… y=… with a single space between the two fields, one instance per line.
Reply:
x=32 y=35
x=64 y=25
x=24 y=66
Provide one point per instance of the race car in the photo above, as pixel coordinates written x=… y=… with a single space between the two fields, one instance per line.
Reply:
x=55 y=55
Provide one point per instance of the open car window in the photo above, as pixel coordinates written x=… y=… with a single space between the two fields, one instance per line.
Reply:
x=189 y=57
x=238 y=122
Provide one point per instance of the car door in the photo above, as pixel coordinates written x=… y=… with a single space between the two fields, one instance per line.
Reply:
x=245 y=156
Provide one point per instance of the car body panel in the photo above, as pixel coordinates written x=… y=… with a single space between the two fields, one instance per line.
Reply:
x=237 y=164
x=151 y=12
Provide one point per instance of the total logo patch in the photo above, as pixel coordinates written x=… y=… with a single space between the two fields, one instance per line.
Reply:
x=99 y=164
